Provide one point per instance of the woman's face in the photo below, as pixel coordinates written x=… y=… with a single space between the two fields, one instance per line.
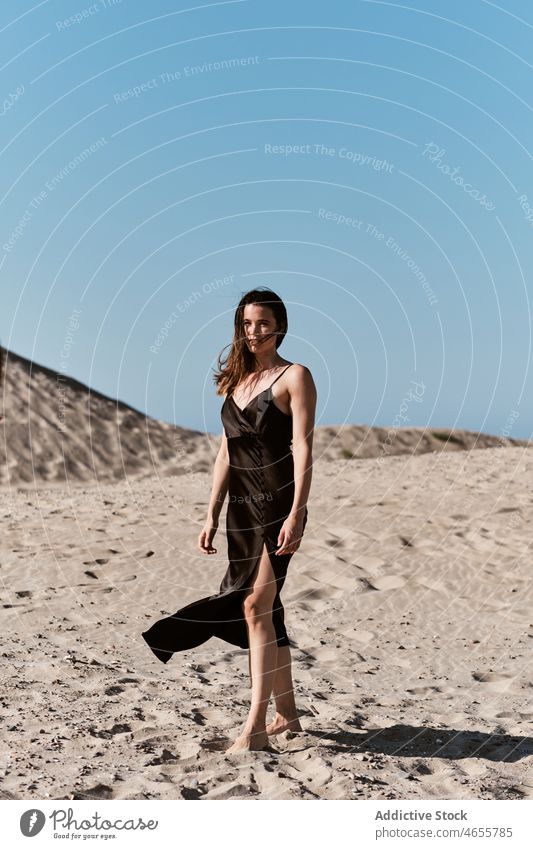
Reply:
x=259 y=328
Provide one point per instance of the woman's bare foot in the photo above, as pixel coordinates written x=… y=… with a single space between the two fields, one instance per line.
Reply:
x=283 y=723
x=249 y=741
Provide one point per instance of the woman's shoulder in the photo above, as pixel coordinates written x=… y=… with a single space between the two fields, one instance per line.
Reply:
x=300 y=370
x=299 y=376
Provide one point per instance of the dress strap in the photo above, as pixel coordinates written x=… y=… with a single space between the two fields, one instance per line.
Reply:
x=279 y=375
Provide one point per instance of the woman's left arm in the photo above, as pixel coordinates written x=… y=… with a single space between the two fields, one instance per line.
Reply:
x=303 y=398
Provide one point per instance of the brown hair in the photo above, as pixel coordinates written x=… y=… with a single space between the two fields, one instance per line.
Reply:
x=241 y=361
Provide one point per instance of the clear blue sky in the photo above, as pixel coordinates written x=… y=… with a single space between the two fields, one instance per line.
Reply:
x=369 y=161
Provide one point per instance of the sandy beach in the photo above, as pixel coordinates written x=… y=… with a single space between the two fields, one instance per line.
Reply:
x=408 y=606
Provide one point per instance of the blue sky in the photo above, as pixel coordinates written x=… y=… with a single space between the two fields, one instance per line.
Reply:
x=367 y=160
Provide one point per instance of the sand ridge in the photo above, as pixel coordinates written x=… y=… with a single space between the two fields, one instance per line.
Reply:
x=56 y=429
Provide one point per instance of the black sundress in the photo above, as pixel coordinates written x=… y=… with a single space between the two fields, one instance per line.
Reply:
x=260 y=497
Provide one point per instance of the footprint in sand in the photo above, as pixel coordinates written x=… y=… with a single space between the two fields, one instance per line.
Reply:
x=363 y=585
x=334 y=542
x=216 y=744
x=235 y=790
x=370 y=563
x=326 y=655
x=426 y=691
x=358 y=634
x=496 y=680
x=318 y=594
x=147 y=736
x=99 y=791
x=391 y=582
x=108 y=733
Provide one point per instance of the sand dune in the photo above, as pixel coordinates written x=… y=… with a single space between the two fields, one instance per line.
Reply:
x=56 y=429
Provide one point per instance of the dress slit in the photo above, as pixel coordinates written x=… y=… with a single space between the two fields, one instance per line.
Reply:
x=251 y=578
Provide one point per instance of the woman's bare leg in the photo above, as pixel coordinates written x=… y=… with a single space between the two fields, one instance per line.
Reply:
x=263 y=652
x=286 y=718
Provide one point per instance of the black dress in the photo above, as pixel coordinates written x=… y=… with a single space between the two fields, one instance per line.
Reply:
x=260 y=497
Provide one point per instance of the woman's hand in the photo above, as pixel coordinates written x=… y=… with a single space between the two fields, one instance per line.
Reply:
x=206 y=538
x=290 y=535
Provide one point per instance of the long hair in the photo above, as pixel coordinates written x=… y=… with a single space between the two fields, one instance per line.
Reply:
x=241 y=361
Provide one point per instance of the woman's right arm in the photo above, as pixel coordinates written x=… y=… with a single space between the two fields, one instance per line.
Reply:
x=220 y=482
x=216 y=500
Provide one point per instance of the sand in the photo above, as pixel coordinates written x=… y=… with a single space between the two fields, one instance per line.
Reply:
x=409 y=606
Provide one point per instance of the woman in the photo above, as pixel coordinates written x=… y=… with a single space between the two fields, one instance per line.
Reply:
x=268 y=401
